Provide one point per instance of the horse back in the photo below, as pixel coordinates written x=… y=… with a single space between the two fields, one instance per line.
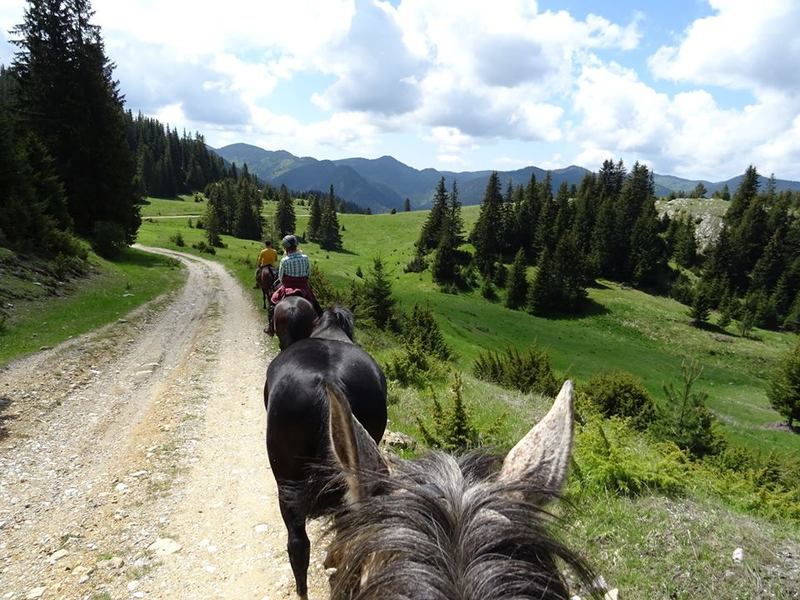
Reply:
x=297 y=405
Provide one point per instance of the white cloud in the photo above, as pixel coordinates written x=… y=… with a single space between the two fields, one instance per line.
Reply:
x=686 y=134
x=742 y=46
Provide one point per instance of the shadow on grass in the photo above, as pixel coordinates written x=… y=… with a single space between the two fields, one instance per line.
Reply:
x=5 y=403
x=139 y=258
x=590 y=308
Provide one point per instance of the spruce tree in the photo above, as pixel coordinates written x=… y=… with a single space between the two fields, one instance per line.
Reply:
x=744 y=196
x=314 y=219
x=285 y=220
x=407 y=205
x=68 y=98
x=486 y=233
x=784 y=386
x=432 y=229
x=542 y=295
x=329 y=236
x=378 y=295
x=455 y=222
x=517 y=282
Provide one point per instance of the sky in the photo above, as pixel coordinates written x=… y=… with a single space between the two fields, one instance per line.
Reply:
x=693 y=88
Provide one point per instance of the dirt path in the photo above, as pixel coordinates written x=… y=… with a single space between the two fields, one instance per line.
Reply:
x=132 y=460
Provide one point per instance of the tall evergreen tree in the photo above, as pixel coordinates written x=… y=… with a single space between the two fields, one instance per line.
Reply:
x=744 y=196
x=517 y=282
x=487 y=231
x=285 y=220
x=69 y=99
x=407 y=205
x=432 y=229
x=314 y=218
x=329 y=236
x=378 y=295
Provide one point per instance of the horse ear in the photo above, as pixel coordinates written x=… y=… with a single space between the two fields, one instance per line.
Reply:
x=355 y=452
x=542 y=456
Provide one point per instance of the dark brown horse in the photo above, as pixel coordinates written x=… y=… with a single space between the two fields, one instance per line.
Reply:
x=445 y=528
x=293 y=320
x=296 y=395
x=266 y=281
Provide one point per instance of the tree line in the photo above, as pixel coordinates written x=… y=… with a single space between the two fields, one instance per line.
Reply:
x=75 y=164
x=168 y=164
x=608 y=227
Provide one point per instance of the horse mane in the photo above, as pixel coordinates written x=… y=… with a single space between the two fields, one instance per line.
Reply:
x=445 y=528
x=339 y=317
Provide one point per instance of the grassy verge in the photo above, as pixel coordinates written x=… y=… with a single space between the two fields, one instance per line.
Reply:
x=115 y=288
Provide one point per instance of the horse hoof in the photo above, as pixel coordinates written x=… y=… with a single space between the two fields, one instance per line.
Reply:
x=269 y=331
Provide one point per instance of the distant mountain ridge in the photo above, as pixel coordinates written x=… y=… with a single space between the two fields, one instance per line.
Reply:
x=383 y=183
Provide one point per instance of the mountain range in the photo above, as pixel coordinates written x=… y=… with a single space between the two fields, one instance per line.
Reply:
x=384 y=183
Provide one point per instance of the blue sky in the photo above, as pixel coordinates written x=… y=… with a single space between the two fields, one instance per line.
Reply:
x=695 y=88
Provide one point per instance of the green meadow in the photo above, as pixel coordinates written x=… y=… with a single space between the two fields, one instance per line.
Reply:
x=626 y=329
x=112 y=290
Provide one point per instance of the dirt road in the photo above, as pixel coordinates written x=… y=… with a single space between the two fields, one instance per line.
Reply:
x=132 y=460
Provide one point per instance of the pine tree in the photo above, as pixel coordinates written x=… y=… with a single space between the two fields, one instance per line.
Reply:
x=69 y=100
x=454 y=221
x=247 y=224
x=378 y=295
x=744 y=196
x=329 y=236
x=443 y=269
x=285 y=220
x=518 y=282
x=407 y=205
x=432 y=229
x=314 y=219
x=486 y=233
x=542 y=294
x=648 y=257
x=784 y=386
x=212 y=225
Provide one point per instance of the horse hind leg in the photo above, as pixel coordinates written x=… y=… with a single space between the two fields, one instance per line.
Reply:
x=298 y=546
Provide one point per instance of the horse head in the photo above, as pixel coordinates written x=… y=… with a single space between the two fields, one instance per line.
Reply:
x=451 y=528
x=336 y=323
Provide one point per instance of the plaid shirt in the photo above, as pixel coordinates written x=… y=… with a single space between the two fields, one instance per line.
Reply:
x=294 y=265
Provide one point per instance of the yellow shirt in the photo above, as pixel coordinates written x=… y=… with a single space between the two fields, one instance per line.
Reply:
x=268 y=256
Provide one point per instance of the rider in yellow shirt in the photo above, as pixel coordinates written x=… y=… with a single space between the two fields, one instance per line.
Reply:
x=268 y=257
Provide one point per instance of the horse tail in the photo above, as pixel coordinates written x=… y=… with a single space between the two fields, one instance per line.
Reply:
x=345 y=320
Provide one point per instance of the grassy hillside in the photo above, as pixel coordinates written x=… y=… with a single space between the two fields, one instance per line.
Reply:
x=671 y=540
x=626 y=330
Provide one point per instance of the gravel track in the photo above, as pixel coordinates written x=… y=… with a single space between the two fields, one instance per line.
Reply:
x=132 y=460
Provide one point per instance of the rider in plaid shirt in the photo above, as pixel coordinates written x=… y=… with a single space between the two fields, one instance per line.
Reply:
x=293 y=277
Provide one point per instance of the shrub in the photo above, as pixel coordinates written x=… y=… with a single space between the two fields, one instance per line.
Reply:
x=416 y=265
x=488 y=291
x=108 y=239
x=410 y=367
x=453 y=428
x=202 y=246
x=784 y=386
x=700 y=309
x=421 y=327
x=177 y=239
x=323 y=289
x=685 y=419
x=620 y=394
x=611 y=457
x=528 y=372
